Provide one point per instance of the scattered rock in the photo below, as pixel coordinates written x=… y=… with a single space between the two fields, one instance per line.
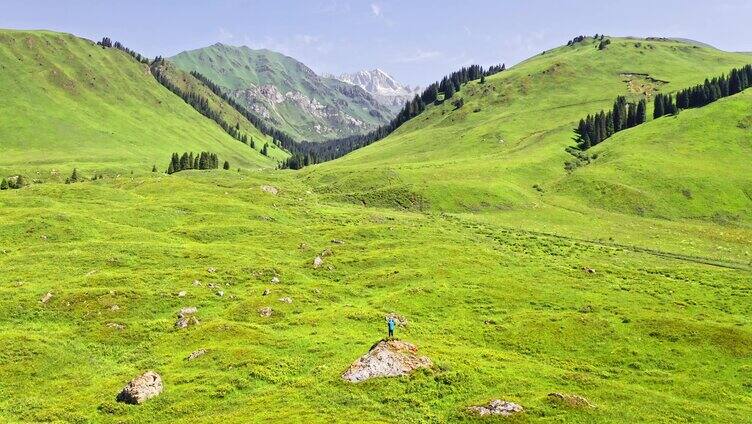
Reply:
x=387 y=358
x=196 y=283
x=211 y=270
x=326 y=252
x=497 y=407
x=141 y=388
x=398 y=319
x=114 y=308
x=589 y=270
x=266 y=292
x=270 y=189
x=196 y=354
x=569 y=400
x=275 y=280
x=285 y=300
x=265 y=311
x=182 y=293
x=188 y=310
x=186 y=317
x=212 y=286
x=335 y=241
x=303 y=246
x=220 y=293
x=317 y=262
x=46 y=298
x=116 y=326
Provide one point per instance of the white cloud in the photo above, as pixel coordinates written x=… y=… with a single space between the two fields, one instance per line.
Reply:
x=376 y=9
x=225 y=35
x=420 y=56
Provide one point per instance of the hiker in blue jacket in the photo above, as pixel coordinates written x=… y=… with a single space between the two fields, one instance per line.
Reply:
x=391 y=327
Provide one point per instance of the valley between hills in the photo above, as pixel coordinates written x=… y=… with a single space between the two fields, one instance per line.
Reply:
x=603 y=283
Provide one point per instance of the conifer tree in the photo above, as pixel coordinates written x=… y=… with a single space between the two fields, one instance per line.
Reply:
x=226 y=166
x=658 y=106
x=642 y=112
x=4 y=184
x=154 y=168
x=449 y=90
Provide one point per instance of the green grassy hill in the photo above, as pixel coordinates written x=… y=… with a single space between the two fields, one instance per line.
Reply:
x=693 y=165
x=65 y=103
x=286 y=92
x=511 y=133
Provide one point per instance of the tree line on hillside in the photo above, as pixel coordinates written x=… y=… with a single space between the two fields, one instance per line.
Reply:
x=595 y=128
x=581 y=38
x=738 y=80
x=201 y=161
x=106 y=42
x=198 y=102
x=306 y=153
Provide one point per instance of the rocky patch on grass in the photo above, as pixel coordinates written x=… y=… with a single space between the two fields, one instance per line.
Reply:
x=387 y=358
x=196 y=354
x=318 y=262
x=569 y=400
x=187 y=317
x=46 y=298
x=270 y=189
x=265 y=312
x=141 y=388
x=497 y=407
x=285 y=300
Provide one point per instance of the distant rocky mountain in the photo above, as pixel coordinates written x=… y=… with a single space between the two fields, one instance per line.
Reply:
x=287 y=93
x=382 y=86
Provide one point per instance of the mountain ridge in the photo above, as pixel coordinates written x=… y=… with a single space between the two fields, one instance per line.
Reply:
x=286 y=92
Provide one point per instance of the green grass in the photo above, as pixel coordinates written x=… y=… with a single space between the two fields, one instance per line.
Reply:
x=502 y=312
x=442 y=225
x=68 y=103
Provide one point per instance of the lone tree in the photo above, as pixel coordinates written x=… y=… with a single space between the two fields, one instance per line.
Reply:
x=226 y=166
x=4 y=185
x=154 y=168
x=73 y=178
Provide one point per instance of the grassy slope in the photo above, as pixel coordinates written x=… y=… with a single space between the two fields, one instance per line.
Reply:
x=188 y=83
x=502 y=313
x=239 y=68
x=67 y=103
x=459 y=160
x=484 y=160
x=697 y=162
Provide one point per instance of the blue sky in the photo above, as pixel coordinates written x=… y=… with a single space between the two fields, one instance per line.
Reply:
x=416 y=41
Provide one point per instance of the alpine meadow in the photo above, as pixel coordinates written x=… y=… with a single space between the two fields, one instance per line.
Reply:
x=223 y=234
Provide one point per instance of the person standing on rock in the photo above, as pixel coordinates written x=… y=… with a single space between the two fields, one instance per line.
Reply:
x=391 y=324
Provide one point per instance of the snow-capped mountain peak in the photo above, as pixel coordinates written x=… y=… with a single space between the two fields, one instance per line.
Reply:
x=382 y=86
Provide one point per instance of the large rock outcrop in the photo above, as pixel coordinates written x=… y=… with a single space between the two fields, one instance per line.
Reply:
x=141 y=388
x=387 y=358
